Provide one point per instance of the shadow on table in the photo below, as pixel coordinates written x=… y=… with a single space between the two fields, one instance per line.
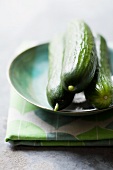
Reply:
x=92 y=156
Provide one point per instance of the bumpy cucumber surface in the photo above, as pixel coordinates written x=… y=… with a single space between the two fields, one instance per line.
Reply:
x=100 y=90
x=80 y=60
x=57 y=96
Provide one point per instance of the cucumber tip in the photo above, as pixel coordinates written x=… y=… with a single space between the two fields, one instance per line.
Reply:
x=105 y=97
x=71 y=88
x=56 y=107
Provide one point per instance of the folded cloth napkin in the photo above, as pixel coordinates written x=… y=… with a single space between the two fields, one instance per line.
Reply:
x=30 y=125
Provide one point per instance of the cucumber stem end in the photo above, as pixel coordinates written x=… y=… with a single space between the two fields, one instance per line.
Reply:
x=71 y=88
x=56 y=107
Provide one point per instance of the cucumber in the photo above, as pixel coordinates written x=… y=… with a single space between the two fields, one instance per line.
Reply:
x=80 y=60
x=100 y=90
x=57 y=96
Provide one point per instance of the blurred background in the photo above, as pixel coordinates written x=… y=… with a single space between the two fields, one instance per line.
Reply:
x=39 y=20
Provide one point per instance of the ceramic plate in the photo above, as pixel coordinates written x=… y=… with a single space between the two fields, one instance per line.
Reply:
x=28 y=75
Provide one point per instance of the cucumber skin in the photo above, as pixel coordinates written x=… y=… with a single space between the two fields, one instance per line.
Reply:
x=101 y=84
x=80 y=59
x=54 y=90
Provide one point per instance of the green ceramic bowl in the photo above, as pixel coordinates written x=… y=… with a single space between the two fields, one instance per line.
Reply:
x=28 y=75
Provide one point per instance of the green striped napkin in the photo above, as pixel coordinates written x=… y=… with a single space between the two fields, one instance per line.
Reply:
x=30 y=125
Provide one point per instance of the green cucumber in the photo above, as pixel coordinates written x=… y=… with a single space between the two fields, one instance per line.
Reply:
x=57 y=96
x=80 y=60
x=100 y=90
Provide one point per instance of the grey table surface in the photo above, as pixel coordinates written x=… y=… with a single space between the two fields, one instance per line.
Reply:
x=36 y=20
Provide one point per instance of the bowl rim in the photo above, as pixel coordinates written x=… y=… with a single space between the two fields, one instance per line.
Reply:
x=63 y=112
